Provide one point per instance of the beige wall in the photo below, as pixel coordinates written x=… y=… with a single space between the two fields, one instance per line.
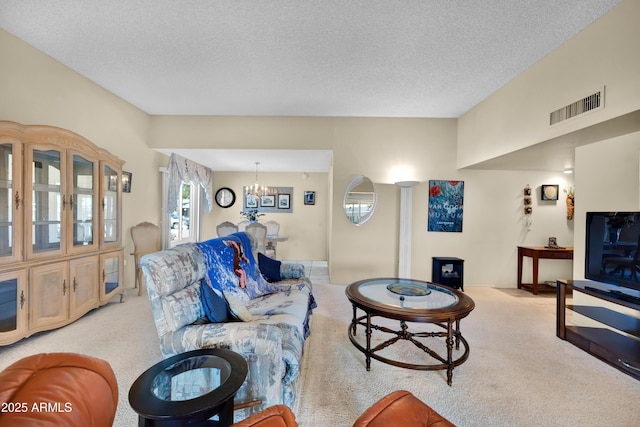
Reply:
x=386 y=150
x=35 y=89
x=517 y=116
x=306 y=226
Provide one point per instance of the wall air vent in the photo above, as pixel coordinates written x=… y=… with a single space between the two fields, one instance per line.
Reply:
x=589 y=103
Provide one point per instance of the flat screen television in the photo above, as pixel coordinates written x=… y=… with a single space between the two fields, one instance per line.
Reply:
x=612 y=241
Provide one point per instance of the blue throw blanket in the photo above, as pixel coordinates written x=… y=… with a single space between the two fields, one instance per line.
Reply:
x=232 y=268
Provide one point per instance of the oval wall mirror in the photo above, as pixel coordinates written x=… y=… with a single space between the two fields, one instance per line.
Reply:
x=359 y=200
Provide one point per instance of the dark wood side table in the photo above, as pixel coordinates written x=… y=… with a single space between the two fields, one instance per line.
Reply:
x=536 y=253
x=188 y=389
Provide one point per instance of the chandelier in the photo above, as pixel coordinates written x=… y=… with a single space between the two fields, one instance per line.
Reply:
x=256 y=189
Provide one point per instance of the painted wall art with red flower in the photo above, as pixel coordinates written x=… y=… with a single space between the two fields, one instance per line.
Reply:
x=445 y=205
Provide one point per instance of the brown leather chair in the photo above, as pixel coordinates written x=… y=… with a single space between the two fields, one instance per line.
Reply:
x=273 y=416
x=398 y=409
x=401 y=409
x=59 y=389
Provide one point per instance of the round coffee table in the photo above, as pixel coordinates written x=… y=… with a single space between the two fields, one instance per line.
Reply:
x=409 y=300
x=189 y=388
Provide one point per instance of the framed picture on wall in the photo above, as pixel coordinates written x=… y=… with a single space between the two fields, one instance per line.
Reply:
x=127 y=178
x=309 y=197
x=251 y=201
x=267 y=201
x=284 y=201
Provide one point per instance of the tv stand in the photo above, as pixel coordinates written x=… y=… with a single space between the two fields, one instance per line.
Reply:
x=617 y=341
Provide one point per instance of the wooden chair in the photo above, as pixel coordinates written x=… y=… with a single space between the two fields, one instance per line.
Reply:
x=226 y=228
x=146 y=240
x=273 y=228
x=259 y=233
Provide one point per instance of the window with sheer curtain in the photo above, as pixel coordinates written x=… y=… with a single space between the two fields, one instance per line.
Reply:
x=183 y=185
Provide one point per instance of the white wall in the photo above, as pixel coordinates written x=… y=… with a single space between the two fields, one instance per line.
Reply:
x=607 y=179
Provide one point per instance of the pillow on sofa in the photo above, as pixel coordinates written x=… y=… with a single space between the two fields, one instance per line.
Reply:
x=269 y=267
x=292 y=271
x=237 y=308
x=214 y=305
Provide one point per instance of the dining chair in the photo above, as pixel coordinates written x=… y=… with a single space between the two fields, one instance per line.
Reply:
x=146 y=240
x=242 y=225
x=273 y=227
x=226 y=228
x=259 y=233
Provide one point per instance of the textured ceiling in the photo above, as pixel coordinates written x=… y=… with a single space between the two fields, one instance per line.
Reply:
x=359 y=58
x=366 y=58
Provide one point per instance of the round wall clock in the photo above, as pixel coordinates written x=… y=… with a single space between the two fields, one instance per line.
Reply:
x=225 y=197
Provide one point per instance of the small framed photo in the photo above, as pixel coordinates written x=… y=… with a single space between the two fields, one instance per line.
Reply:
x=284 y=201
x=251 y=201
x=127 y=177
x=553 y=242
x=309 y=197
x=267 y=201
x=549 y=192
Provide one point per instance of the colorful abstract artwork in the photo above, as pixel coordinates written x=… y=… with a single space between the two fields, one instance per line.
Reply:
x=445 y=205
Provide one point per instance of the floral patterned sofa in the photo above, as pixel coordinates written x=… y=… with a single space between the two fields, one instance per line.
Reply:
x=213 y=294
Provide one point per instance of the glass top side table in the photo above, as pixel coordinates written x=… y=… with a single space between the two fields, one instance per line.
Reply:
x=189 y=388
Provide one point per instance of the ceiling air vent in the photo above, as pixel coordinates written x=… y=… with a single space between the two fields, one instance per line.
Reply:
x=588 y=103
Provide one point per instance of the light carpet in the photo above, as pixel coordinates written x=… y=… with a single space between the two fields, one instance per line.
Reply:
x=518 y=372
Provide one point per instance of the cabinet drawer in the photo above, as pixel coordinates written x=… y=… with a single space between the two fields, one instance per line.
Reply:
x=557 y=255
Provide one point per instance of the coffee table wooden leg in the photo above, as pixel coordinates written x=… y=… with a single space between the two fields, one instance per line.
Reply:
x=353 y=322
x=368 y=332
x=449 y=352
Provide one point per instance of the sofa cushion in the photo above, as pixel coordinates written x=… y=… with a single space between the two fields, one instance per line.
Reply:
x=182 y=308
x=173 y=269
x=237 y=308
x=292 y=271
x=269 y=267
x=214 y=303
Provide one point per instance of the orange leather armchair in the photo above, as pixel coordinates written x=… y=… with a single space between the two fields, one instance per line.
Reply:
x=401 y=409
x=273 y=416
x=398 y=409
x=58 y=389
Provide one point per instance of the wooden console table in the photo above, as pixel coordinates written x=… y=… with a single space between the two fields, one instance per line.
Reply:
x=536 y=253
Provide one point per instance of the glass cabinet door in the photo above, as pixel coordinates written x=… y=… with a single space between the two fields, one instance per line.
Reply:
x=111 y=275
x=11 y=202
x=110 y=206
x=13 y=307
x=82 y=202
x=47 y=202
